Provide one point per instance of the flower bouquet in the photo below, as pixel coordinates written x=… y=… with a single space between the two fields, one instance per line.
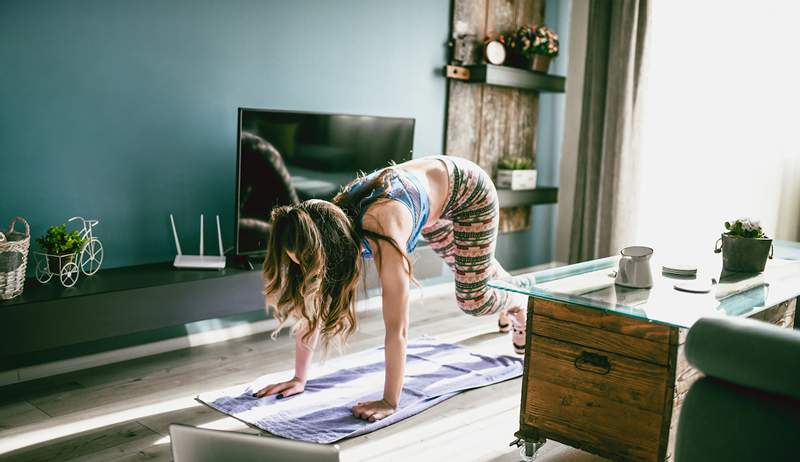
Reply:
x=531 y=46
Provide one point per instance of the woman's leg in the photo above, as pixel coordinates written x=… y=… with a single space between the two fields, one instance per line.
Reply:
x=465 y=239
x=440 y=237
x=475 y=216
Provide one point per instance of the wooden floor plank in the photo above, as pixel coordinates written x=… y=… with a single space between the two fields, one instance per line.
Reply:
x=38 y=389
x=155 y=453
x=198 y=415
x=84 y=445
x=20 y=413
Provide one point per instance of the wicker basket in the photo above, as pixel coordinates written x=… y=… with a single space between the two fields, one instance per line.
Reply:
x=13 y=259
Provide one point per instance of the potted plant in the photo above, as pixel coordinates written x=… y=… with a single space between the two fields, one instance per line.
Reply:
x=61 y=246
x=531 y=46
x=745 y=248
x=516 y=172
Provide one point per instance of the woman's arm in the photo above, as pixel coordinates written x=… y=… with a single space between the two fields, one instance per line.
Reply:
x=394 y=275
x=303 y=352
x=394 y=282
x=302 y=361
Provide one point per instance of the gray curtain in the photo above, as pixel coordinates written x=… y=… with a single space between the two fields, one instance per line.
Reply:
x=607 y=164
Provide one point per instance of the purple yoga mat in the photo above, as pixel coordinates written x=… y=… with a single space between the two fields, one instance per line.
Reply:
x=435 y=371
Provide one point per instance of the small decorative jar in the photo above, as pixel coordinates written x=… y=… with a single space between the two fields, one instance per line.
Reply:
x=540 y=63
x=745 y=248
x=744 y=254
x=516 y=179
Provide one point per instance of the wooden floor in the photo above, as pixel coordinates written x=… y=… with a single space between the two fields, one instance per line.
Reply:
x=122 y=411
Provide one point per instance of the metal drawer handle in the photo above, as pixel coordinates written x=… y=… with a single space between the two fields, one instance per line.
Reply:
x=593 y=362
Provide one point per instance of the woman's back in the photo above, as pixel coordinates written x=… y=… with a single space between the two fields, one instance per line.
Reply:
x=420 y=185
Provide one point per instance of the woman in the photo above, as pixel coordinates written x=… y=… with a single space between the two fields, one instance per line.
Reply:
x=314 y=260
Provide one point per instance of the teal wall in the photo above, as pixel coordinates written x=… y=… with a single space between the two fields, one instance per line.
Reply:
x=126 y=110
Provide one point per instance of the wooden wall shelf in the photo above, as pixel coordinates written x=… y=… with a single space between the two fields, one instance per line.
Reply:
x=538 y=196
x=507 y=76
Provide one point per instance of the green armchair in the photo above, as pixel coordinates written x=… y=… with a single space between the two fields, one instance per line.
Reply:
x=747 y=406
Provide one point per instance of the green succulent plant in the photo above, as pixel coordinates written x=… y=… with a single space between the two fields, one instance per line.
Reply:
x=57 y=241
x=515 y=163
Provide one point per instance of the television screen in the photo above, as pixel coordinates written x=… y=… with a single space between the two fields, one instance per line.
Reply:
x=320 y=152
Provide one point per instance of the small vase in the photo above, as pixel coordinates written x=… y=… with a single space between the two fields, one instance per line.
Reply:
x=744 y=254
x=516 y=179
x=540 y=63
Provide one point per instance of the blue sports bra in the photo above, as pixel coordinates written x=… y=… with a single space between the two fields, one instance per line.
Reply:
x=405 y=188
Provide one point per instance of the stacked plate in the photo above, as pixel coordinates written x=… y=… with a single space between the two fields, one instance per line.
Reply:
x=680 y=269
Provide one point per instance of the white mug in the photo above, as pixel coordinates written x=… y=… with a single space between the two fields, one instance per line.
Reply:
x=634 y=268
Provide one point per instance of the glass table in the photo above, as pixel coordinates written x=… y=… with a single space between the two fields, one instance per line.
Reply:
x=604 y=364
x=591 y=285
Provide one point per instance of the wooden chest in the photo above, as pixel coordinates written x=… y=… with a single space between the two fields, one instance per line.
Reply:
x=607 y=383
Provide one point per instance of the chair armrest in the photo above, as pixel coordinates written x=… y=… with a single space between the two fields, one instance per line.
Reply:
x=746 y=352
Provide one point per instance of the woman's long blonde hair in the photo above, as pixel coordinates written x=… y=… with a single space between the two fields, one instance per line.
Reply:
x=319 y=290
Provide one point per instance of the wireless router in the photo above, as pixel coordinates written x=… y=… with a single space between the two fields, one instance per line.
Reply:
x=198 y=261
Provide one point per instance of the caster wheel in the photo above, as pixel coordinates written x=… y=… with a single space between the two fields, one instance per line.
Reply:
x=528 y=452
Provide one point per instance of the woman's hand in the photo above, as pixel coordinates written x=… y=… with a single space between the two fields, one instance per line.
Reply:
x=374 y=410
x=283 y=389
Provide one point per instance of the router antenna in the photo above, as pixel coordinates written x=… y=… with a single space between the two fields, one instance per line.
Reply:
x=175 y=234
x=201 y=234
x=199 y=261
x=219 y=238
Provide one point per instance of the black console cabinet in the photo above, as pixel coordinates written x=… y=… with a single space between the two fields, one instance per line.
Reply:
x=117 y=302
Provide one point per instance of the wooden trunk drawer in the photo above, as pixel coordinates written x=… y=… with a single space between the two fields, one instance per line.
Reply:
x=609 y=402
x=587 y=421
x=612 y=333
x=606 y=375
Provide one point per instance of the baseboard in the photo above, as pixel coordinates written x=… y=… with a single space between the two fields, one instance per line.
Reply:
x=39 y=371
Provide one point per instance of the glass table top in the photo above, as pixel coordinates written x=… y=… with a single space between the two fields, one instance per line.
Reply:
x=591 y=285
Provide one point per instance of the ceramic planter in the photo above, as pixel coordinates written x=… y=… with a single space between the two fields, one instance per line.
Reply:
x=744 y=254
x=540 y=63
x=55 y=263
x=516 y=179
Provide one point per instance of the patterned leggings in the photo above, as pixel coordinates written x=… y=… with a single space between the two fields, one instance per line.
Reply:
x=465 y=237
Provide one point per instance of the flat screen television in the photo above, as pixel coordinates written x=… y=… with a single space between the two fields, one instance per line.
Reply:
x=321 y=152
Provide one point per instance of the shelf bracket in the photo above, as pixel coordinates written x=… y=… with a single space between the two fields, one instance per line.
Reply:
x=457 y=72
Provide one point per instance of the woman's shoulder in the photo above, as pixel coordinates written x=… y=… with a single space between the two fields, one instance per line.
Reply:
x=388 y=217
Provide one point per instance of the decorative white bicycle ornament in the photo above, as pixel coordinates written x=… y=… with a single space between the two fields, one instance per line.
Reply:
x=68 y=267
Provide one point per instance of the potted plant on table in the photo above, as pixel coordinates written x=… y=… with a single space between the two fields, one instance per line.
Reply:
x=516 y=172
x=531 y=46
x=745 y=248
x=61 y=247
